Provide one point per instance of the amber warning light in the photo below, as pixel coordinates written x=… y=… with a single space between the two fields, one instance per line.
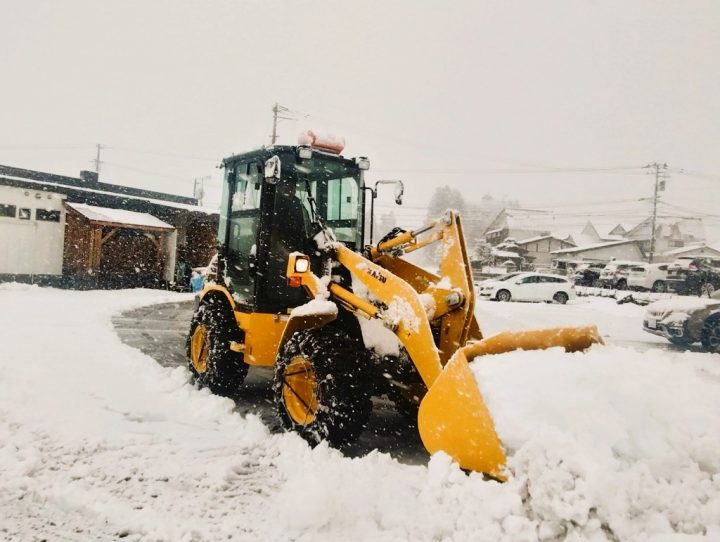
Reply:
x=322 y=142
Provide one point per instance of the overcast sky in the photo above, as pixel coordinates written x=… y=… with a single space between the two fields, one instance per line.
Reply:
x=505 y=97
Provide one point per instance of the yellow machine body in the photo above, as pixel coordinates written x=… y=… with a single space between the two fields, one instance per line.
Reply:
x=433 y=319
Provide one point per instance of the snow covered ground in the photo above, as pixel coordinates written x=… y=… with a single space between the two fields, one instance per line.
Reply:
x=98 y=442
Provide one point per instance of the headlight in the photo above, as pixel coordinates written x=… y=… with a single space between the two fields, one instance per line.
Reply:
x=362 y=163
x=302 y=265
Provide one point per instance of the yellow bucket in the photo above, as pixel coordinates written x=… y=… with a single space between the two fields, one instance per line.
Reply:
x=453 y=417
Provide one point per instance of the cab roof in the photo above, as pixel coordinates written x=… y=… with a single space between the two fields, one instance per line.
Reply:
x=264 y=153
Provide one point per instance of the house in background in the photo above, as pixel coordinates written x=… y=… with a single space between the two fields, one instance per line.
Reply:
x=628 y=250
x=699 y=249
x=605 y=239
x=518 y=224
x=538 y=250
x=34 y=207
x=670 y=233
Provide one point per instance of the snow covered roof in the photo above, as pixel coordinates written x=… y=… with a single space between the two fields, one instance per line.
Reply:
x=592 y=247
x=505 y=254
x=120 y=216
x=685 y=228
x=540 y=238
x=689 y=248
x=154 y=201
x=527 y=219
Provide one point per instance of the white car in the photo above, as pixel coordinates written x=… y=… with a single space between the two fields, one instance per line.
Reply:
x=648 y=276
x=528 y=287
x=615 y=274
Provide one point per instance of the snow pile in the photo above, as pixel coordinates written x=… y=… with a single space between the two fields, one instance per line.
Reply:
x=316 y=307
x=611 y=440
x=681 y=304
x=98 y=442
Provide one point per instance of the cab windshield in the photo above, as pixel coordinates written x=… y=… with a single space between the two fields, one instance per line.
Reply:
x=330 y=190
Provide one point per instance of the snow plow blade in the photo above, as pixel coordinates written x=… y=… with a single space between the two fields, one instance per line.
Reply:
x=453 y=417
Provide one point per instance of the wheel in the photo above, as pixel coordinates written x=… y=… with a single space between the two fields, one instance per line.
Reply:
x=680 y=341
x=710 y=337
x=659 y=286
x=321 y=389
x=503 y=295
x=210 y=360
x=405 y=387
x=560 y=297
x=596 y=283
x=621 y=284
x=707 y=289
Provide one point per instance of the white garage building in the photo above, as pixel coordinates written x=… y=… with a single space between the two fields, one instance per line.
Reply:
x=32 y=231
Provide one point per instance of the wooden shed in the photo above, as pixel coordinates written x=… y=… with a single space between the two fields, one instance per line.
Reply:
x=116 y=248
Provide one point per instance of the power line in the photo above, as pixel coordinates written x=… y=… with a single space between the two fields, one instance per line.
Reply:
x=504 y=171
x=161 y=153
x=699 y=174
x=140 y=170
x=688 y=210
x=40 y=146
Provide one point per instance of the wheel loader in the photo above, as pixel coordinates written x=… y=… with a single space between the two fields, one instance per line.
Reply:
x=296 y=288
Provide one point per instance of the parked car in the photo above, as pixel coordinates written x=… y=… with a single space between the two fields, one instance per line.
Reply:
x=528 y=287
x=615 y=274
x=684 y=321
x=694 y=276
x=648 y=276
x=587 y=274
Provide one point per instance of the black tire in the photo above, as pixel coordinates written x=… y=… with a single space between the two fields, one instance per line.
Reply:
x=503 y=295
x=322 y=387
x=621 y=285
x=659 y=286
x=710 y=337
x=680 y=341
x=402 y=384
x=561 y=297
x=214 y=365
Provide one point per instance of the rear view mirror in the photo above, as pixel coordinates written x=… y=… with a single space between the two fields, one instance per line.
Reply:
x=399 y=191
x=272 y=169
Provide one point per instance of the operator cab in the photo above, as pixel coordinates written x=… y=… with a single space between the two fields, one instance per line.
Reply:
x=274 y=202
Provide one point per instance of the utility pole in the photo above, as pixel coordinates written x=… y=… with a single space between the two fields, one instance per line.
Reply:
x=97 y=160
x=199 y=188
x=277 y=115
x=660 y=173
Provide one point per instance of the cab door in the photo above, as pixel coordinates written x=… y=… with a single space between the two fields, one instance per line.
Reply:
x=242 y=208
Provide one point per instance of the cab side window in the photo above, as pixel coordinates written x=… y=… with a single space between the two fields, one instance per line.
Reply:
x=244 y=223
x=249 y=188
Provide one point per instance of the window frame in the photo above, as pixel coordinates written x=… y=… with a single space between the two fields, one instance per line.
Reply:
x=8 y=206
x=43 y=215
